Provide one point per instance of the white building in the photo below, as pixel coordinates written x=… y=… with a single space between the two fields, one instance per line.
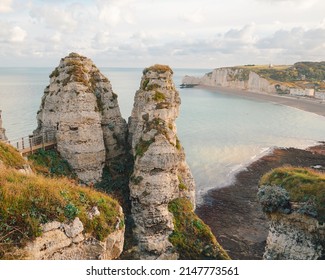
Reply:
x=302 y=92
x=320 y=95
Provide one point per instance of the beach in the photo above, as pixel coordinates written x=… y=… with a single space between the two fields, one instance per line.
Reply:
x=308 y=104
x=233 y=212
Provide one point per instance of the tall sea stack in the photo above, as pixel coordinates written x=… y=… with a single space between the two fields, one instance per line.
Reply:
x=80 y=106
x=161 y=173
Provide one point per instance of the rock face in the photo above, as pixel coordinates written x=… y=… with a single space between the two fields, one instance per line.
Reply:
x=242 y=79
x=61 y=241
x=82 y=109
x=161 y=173
x=2 y=130
x=294 y=237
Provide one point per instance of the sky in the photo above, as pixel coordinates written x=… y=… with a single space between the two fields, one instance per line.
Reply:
x=180 y=33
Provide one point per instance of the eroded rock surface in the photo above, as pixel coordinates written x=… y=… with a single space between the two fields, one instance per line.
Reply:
x=294 y=237
x=161 y=173
x=61 y=241
x=2 y=130
x=81 y=107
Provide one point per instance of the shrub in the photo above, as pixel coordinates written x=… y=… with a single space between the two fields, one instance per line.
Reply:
x=50 y=163
x=274 y=198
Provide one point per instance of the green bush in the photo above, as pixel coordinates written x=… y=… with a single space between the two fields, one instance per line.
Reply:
x=274 y=198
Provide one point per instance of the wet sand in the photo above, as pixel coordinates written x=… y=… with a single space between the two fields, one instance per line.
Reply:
x=233 y=212
x=316 y=106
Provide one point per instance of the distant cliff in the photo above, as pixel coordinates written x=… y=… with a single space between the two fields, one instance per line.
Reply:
x=236 y=78
x=294 y=200
x=265 y=79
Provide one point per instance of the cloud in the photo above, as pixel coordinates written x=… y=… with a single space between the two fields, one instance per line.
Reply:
x=11 y=33
x=114 y=12
x=195 y=16
x=5 y=6
x=55 y=17
x=297 y=41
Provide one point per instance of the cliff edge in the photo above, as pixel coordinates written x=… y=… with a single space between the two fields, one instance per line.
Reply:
x=294 y=201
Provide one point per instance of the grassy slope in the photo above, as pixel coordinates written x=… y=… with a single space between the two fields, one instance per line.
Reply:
x=302 y=184
x=192 y=238
x=29 y=201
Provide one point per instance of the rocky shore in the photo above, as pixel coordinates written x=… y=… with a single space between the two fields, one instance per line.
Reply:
x=234 y=213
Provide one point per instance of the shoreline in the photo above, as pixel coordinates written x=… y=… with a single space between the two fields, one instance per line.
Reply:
x=310 y=105
x=233 y=212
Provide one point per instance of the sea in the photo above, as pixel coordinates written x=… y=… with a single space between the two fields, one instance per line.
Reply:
x=221 y=134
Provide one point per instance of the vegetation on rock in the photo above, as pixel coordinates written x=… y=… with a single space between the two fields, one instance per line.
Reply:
x=274 y=198
x=191 y=237
x=299 y=74
x=304 y=186
x=50 y=163
x=158 y=68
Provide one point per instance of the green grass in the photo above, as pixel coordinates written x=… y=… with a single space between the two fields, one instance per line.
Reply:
x=50 y=163
x=191 y=237
x=10 y=157
x=302 y=184
x=29 y=201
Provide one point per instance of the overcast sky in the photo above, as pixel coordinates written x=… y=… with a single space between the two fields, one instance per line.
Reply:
x=181 y=33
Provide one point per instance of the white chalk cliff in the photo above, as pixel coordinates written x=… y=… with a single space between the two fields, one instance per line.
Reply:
x=235 y=78
x=81 y=107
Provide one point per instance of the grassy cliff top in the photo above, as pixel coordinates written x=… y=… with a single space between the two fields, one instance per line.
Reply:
x=303 y=186
x=301 y=74
x=158 y=68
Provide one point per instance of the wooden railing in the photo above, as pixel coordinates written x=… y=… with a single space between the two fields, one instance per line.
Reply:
x=30 y=144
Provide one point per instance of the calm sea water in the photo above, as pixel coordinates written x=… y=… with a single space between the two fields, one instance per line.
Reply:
x=221 y=134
